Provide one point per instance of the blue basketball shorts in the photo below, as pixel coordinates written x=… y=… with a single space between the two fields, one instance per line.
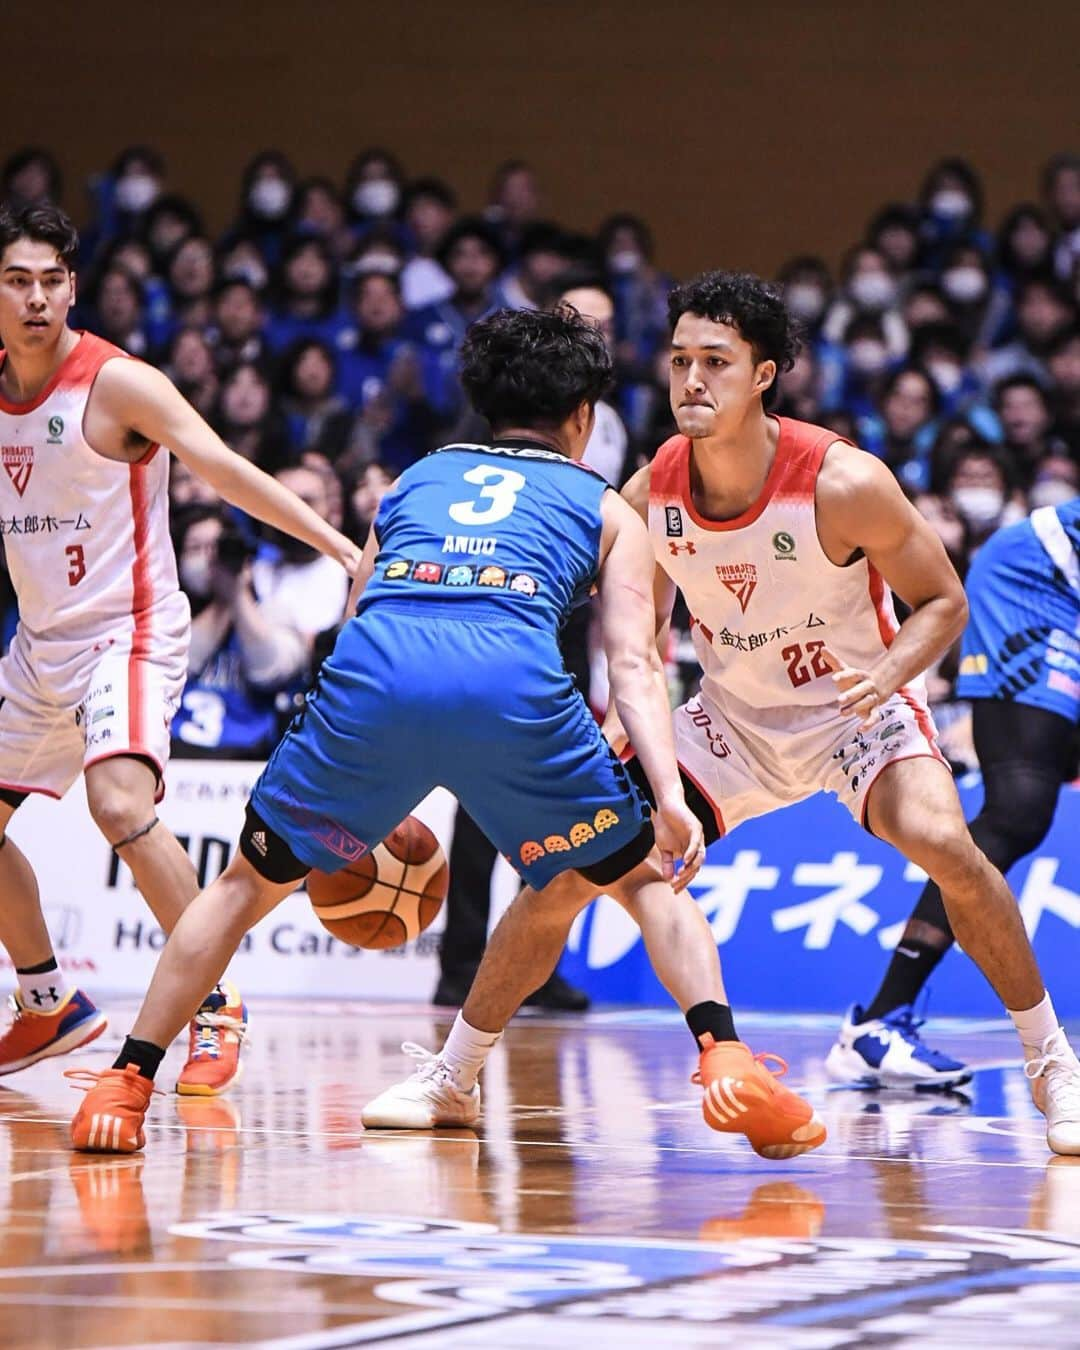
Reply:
x=410 y=700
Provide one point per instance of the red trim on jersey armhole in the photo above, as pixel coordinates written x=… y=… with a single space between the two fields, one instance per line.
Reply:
x=152 y=450
x=23 y=787
x=142 y=598
x=773 y=480
x=808 y=444
x=886 y=617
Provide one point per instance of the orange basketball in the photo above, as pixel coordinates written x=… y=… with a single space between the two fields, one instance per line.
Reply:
x=387 y=897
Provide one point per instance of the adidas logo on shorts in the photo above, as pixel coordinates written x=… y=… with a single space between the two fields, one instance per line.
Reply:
x=258 y=841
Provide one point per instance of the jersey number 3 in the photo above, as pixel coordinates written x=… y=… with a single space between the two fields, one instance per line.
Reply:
x=76 y=563
x=499 y=488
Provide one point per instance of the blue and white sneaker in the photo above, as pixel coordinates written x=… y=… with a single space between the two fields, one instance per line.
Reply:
x=887 y=1052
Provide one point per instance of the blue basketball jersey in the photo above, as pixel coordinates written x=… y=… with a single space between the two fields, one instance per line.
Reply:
x=510 y=528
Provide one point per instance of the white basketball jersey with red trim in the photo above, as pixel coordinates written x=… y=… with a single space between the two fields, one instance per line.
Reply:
x=765 y=599
x=86 y=538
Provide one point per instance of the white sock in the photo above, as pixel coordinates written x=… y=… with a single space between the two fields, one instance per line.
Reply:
x=42 y=991
x=1035 y=1026
x=466 y=1049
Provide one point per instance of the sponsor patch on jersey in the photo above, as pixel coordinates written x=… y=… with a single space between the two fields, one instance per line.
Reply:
x=675 y=549
x=19 y=463
x=783 y=546
x=740 y=579
x=56 y=430
x=674 y=521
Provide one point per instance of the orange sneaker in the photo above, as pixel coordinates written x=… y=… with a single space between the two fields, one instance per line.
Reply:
x=32 y=1035
x=216 y=1035
x=743 y=1096
x=778 y=1209
x=110 y=1119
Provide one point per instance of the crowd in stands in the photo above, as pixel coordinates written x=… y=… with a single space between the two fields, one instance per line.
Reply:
x=319 y=335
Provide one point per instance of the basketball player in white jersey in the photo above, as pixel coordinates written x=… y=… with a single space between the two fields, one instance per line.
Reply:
x=98 y=661
x=786 y=542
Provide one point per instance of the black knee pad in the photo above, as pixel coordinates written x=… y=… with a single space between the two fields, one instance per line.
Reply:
x=1021 y=798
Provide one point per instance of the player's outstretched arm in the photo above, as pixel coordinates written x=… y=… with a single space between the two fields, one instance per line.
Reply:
x=628 y=626
x=861 y=508
x=138 y=396
x=636 y=493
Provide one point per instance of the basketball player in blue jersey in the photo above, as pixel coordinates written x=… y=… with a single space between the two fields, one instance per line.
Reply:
x=1020 y=667
x=450 y=674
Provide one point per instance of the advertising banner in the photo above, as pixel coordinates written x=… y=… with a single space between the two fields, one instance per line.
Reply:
x=805 y=906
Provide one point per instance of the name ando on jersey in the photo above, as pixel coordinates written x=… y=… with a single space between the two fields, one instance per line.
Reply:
x=465 y=543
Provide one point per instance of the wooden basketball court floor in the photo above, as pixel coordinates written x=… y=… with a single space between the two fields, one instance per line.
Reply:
x=591 y=1208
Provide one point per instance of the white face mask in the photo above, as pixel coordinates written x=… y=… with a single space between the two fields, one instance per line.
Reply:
x=386 y=264
x=872 y=290
x=1051 y=492
x=979 y=505
x=195 y=574
x=867 y=356
x=965 y=285
x=804 y=301
x=625 y=260
x=379 y=197
x=135 y=192
x=269 y=198
x=945 y=375
x=254 y=273
x=951 y=204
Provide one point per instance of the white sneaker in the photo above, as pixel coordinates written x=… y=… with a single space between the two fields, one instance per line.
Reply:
x=427 y=1099
x=1055 y=1089
x=888 y=1052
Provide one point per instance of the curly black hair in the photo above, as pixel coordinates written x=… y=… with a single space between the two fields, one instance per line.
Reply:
x=752 y=306
x=44 y=224
x=526 y=368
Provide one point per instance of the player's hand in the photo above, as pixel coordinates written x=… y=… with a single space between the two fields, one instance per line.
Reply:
x=858 y=693
x=679 y=837
x=348 y=555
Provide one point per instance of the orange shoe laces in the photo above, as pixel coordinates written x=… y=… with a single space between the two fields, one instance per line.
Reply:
x=759 y=1058
x=85 y=1079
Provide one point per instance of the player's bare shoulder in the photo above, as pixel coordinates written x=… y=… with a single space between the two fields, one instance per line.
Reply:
x=636 y=491
x=123 y=390
x=856 y=497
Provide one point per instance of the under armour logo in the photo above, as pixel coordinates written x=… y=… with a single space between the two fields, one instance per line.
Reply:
x=689 y=547
x=40 y=1000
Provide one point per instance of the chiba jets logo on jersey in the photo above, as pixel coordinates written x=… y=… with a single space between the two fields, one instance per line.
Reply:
x=740 y=579
x=19 y=463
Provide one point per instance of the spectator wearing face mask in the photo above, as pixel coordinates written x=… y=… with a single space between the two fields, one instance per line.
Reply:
x=981 y=488
x=807 y=289
x=1056 y=480
x=228 y=709
x=903 y=432
x=866 y=309
x=1043 y=310
x=1023 y=409
x=941 y=349
x=951 y=203
x=241 y=259
x=122 y=196
x=1061 y=189
x=975 y=307
x=866 y=365
x=429 y=208
x=305 y=297
x=316 y=416
x=373 y=191
x=266 y=197
x=1063 y=362
x=640 y=292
